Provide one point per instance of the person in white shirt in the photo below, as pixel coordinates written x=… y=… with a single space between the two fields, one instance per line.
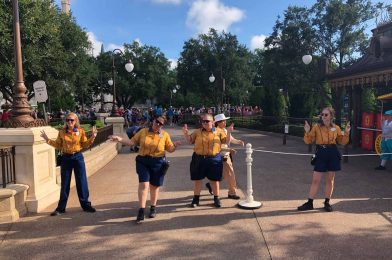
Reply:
x=386 y=142
x=228 y=170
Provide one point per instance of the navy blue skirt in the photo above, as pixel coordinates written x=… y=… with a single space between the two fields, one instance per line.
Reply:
x=327 y=159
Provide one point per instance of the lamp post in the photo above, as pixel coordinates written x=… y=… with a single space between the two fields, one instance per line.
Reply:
x=174 y=91
x=102 y=108
x=306 y=59
x=212 y=79
x=21 y=111
x=112 y=82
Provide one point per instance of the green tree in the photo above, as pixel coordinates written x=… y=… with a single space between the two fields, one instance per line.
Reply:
x=292 y=37
x=219 y=54
x=150 y=78
x=340 y=33
x=54 y=49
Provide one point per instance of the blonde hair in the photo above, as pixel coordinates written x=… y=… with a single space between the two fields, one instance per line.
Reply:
x=207 y=115
x=77 y=124
x=331 y=114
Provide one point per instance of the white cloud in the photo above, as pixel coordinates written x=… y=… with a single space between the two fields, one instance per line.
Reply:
x=138 y=41
x=206 y=14
x=173 y=63
x=175 y=2
x=95 y=44
x=113 y=46
x=257 y=42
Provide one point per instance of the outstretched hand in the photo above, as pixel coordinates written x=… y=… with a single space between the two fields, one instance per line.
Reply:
x=185 y=129
x=177 y=143
x=115 y=138
x=94 y=131
x=44 y=135
x=233 y=151
x=348 y=128
x=307 y=127
x=230 y=128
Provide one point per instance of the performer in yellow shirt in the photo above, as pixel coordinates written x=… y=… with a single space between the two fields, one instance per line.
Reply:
x=151 y=163
x=71 y=140
x=206 y=159
x=326 y=135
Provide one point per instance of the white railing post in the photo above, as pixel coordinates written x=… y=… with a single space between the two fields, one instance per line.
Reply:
x=249 y=203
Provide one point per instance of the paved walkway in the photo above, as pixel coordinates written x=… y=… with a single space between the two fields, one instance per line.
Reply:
x=360 y=227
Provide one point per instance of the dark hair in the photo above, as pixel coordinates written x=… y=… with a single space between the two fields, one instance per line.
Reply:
x=163 y=117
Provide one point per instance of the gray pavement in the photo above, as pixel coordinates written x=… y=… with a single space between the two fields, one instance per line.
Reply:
x=359 y=228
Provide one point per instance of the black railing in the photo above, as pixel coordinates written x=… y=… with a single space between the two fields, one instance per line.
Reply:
x=102 y=136
x=7 y=154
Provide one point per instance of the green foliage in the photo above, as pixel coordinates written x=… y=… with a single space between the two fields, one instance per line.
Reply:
x=283 y=68
x=150 y=79
x=219 y=54
x=369 y=102
x=54 y=49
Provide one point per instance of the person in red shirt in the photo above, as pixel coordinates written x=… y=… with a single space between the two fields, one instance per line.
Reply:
x=5 y=116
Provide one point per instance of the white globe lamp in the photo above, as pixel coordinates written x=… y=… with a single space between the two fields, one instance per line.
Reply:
x=307 y=59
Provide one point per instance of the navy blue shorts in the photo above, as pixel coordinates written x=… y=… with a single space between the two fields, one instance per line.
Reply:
x=327 y=159
x=206 y=167
x=150 y=169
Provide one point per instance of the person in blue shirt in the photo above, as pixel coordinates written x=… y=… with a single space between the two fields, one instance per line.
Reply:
x=169 y=115
x=131 y=131
x=386 y=141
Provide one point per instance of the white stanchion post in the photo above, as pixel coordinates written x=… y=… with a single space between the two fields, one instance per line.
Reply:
x=249 y=203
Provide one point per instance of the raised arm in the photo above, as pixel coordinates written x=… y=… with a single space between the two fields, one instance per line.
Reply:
x=119 y=139
x=185 y=131
x=55 y=143
x=229 y=130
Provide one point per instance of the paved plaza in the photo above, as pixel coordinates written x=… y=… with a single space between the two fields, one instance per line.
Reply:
x=360 y=227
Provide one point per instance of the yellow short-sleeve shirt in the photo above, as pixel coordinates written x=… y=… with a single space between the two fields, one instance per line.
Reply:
x=208 y=142
x=152 y=144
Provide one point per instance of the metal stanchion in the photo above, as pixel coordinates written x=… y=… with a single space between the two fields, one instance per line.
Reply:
x=286 y=131
x=249 y=203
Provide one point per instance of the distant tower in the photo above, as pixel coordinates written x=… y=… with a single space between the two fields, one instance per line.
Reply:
x=65 y=6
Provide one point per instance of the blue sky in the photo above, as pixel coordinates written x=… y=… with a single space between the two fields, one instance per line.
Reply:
x=167 y=24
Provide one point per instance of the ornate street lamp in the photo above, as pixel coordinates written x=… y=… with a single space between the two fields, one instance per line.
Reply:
x=112 y=82
x=21 y=110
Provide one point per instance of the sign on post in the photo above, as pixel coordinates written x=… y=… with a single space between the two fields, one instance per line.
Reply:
x=41 y=95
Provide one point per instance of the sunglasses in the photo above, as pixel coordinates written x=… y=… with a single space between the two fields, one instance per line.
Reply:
x=205 y=121
x=69 y=120
x=324 y=114
x=158 y=122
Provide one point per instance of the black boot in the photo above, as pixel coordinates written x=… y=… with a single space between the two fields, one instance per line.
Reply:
x=327 y=206
x=217 y=202
x=195 y=201
x=140 y=216
x=306 y=206
x=153 y=212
